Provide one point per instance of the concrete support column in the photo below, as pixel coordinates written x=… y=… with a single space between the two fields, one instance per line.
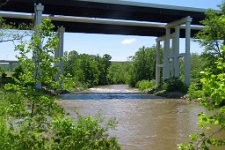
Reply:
x=59 y=53
x=38 y=10
x=171 y=59
x=61 y=31
x=157 y=71
x=187 y=64
x=165 y=55
x=176 y=52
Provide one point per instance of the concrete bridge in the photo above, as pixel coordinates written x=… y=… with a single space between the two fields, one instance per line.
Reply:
x=9 y=63
x=117 y=17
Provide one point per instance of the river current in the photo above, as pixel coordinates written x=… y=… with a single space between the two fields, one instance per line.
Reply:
x=145 y=122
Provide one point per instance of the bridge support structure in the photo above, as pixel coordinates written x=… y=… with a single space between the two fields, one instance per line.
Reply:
x=38 y=10
x=171 y=53
x=59 y=53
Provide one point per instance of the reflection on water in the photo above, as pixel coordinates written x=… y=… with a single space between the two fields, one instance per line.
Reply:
x=145 y=122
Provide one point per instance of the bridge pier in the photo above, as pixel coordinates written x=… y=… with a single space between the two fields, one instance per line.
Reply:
x=166 y=55
x=171 y=55
x=176 y=61
x=59 y=53
x=38 y=10
x=187 y=64
x=157 y=72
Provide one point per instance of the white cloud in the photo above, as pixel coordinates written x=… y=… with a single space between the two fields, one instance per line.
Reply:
x=128 y=41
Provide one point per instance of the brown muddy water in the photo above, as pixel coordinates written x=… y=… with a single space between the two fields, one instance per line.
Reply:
x=145 y=122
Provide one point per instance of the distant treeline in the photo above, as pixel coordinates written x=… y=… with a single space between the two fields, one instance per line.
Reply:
x=90 y=70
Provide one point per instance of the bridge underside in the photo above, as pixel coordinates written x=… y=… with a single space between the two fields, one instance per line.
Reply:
x=81 y=27
x=110 y=9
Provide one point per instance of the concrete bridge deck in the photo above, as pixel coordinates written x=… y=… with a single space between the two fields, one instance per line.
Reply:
x=107 y=9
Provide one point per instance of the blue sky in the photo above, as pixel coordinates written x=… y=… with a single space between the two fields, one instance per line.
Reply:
x=118 y=46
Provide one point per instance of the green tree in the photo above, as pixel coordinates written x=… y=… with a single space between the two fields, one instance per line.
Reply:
x=90 y=69
x=213 y=84
x=31 y=119
x=143 y=65
x=30 y=108
x=119 y=72
x=87 y=69
x=103 y=66
x=197 y=65
x=212 y=37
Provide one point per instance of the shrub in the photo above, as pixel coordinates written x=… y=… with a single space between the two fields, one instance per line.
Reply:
x=174 y=85
x=144 y=85
x=194 y=92
x=64 y=134
x=4 y=75
x=27 y=114
x=85 y=133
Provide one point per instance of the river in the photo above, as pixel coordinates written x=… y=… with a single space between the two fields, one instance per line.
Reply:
x=145 y=122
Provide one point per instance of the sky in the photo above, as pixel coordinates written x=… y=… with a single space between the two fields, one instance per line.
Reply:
x=120 y=47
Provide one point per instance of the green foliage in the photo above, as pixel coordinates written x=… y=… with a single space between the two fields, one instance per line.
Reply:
x=198 y=63
x=3 y=67
x=30 y=118
x=104 y=65
x=213 y=84
x=85 y=133
x=145 y=85
x=212 y=36
x=119 y=72
x=174 y=85
x=143 y=67
x=87 y=70
x=3 y=75
x=194 y=91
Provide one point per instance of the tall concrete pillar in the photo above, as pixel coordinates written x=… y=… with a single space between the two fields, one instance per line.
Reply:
x=157 y=71
x=38 y=10
x=187 y=64
x=59 y=53
x=171 y=60
x=176 y=52
x=61 y=31
x=166 y=55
